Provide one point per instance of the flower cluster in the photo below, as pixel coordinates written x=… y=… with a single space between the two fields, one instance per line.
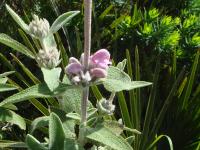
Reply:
x=48 y=59
x=98 y=65
x=39 y=27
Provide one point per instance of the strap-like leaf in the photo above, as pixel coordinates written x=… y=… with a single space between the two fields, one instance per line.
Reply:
x=18 y=20
x=62 y=20
x=8 y=41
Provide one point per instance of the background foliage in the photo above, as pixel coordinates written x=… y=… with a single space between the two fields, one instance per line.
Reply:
x=143 y=31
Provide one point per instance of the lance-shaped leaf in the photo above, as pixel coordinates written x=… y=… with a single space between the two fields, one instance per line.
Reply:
x=5 y=74
x=71 y=144
x=12 y=144
x=117 y=80
x=8 y=41
x=106 y=137
x=51 y=77
x=18 y=20
x=34 y=144
x=56 y=133
x=7 y=87
x=36 y=91
x=39 y=122
x=11 y=117
x=62 y=20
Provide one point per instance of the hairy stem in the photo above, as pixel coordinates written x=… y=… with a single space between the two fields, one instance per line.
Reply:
x=87 y=47
x=87 y=31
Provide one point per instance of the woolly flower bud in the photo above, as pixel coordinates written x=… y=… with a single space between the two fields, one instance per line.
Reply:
x=39 y=27
x=48 y=59
x=105 y=107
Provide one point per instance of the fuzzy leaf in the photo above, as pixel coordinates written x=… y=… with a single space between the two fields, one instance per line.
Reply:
x=6 y=74
x=51 y=77
x=33 y=143
x=12 y=144
x=36 y=91
x=71 y=144
x=62 y=20
x=10 y=116
x=117 y=80
x=49 y=41
x=56 y=133
x=17 y=19
x=105 y=137
x=71 y=100
x=39 y=122
x=8 y=41
x=7 y=87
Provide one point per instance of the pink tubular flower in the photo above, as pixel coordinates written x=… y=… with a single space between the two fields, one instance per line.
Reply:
x=98 y=73
x=98 y=65
x=74 y=68
x=100 y=59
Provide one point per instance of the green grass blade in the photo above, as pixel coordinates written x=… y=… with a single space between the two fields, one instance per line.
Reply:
x=190 y=81
x=7 y=63
x=153 y=144
x=150 y=107
x=96 y=92
x=124 y=109
x=26 y=70
x=167 y=103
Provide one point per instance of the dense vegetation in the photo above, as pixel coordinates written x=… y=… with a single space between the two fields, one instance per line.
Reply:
x=160 y=41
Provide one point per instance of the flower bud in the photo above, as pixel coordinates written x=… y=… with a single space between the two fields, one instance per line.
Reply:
x=105 y=107
x=48 y=59
x=73 y=68
x=98 y=73
x=39 y=27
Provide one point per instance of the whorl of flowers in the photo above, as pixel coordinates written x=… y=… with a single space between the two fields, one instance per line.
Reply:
x=98 y=65
x=39 y=27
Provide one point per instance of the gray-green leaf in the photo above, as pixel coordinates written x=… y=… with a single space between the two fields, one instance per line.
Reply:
x=17 y=19
x=10 y=116
x=62 y=20
x=39 y=122
x=33 y=143
x=51 y=77
x=117 y=80
x=36 y=91
x=8 y=41
x=105 y=137
x=71 y=144
x=56 y=133
x=7 y=87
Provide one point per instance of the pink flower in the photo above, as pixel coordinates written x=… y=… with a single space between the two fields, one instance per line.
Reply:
x=98 y=73
x=100 y=59
x=74 y=68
